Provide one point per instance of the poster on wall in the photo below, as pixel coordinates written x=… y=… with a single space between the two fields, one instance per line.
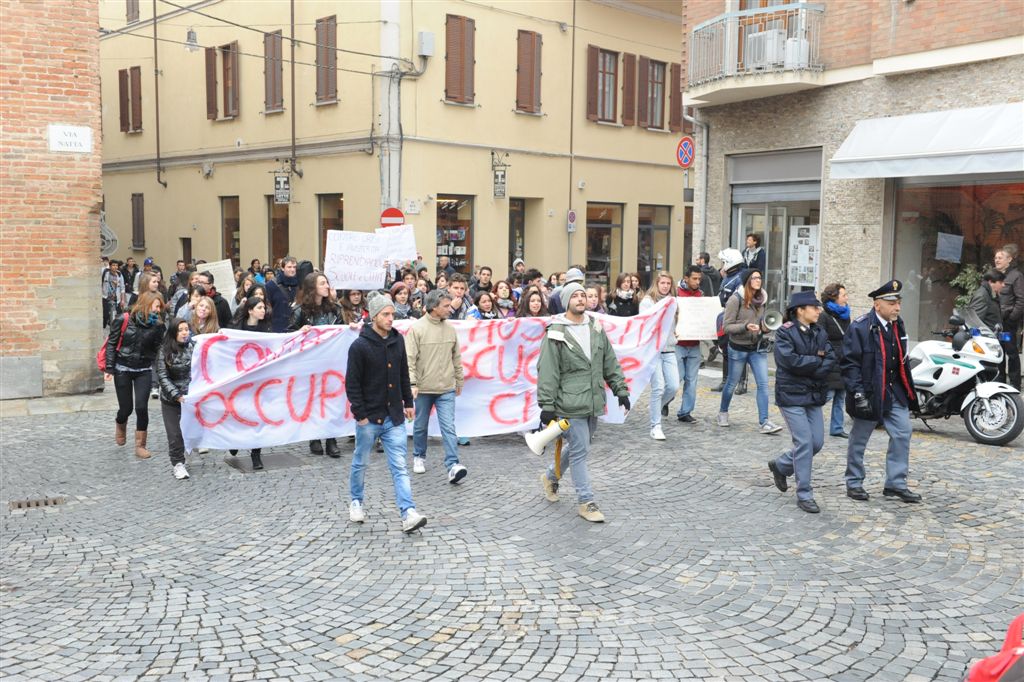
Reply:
x=804 y=255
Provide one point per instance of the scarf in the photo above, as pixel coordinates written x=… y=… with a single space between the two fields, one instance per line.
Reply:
x=403 y=309
x=841 y=311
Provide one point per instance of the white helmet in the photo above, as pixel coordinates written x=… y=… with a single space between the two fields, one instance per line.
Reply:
x=730 y=258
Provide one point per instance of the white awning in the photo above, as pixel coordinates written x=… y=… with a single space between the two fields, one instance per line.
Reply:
x=957 y=142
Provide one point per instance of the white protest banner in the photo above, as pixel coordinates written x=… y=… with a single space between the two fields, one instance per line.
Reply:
x=354 y=260
x=698 y=318
x=259 y=390
x=223 y=272
x=399 y=243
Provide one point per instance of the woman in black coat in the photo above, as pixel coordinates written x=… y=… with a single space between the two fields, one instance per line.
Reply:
x=836 y=321
x=173 y=371
x=803 y=360
x=129 y=358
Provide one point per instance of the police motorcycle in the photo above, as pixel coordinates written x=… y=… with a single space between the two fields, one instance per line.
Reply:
x=958 y=376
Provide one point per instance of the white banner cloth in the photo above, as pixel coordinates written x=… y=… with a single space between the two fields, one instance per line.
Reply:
x=258 y=390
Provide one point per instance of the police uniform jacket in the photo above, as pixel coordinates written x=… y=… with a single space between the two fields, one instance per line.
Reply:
x=801 y=374
x=876 y=364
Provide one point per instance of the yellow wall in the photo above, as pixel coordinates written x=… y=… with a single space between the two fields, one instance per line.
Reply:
x=446 y=150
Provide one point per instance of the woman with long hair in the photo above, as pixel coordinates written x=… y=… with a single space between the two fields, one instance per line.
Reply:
x=484 y=307
x=595 y=299
x=173 y=371
x=504 y=299
x=204 y=317
x=836 y=321
x=316 y=306
x=624 y=301
x=353 y=306
x=743 y=321
x=242 y=292
x=532 y=304
x=252 y=316
x=665 y=379
x=129 y=357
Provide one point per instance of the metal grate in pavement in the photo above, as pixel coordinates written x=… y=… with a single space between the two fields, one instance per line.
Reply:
x=38 y=502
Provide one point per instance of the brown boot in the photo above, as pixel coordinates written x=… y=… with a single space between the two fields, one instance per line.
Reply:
x=140 y=446
x=120 y=433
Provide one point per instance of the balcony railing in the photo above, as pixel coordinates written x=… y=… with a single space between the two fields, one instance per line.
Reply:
x=767 y=40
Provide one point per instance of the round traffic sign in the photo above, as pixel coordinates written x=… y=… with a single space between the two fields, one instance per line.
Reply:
x=686 y=151
x=390 y=217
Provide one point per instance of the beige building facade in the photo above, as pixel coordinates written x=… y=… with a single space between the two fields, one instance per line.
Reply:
x=790 y=94
x=425 y=106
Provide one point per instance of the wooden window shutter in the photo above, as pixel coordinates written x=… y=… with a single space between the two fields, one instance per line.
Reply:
x=231 y=80
x=211 y=83
x=643 y=93
x=455 y=59
x=135 y=82
x=628 y=89
x=123 y=99
x=593 y=53
x=269 y=72
x=525 y=55
x=469 y=67
x=332 y=58
x=131 y=11
x=138 y=222
x=326 y=59
x=538 y=42
x=675 y=108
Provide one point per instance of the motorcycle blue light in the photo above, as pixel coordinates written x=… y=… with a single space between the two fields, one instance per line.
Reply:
x=975 y=331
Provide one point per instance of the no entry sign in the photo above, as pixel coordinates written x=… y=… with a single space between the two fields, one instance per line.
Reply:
x=390 y=217
x=686 y=151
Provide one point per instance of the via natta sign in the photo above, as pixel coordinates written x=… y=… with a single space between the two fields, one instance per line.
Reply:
x=69 y=139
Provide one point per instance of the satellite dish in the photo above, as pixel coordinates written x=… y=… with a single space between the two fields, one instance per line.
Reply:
x=108 y=240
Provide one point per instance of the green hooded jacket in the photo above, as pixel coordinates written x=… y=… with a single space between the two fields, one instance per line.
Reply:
x=569 y=384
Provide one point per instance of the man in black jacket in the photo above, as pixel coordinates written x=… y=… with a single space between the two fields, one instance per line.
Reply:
x=281 y=291
x=1011 y=304
x=985 y=301
x=378 y=389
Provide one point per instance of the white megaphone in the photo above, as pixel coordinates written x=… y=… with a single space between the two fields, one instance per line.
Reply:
x=539 y=440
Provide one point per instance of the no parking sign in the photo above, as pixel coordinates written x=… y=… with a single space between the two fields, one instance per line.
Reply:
x=686 y=151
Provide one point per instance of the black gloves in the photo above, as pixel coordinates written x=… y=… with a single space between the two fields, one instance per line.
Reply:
x=624 y=402
x=546 y=418
x=861 y=406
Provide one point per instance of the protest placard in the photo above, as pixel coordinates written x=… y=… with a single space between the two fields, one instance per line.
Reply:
x=223 y=272
x=354 y=260
x=398 y=244
x=698 y=317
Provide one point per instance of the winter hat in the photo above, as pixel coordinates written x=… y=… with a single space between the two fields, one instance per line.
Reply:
x=376 y=302
x=518 y=261
x=748 y=273
x=574 y=275
x=567 y=291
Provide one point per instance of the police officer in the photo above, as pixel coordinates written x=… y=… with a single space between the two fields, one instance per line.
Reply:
x=879 y=390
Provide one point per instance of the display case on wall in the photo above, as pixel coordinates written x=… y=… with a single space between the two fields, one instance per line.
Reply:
x=455 y=231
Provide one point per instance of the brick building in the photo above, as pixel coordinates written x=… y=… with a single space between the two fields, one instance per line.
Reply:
x=50 y=198
x=861 y=139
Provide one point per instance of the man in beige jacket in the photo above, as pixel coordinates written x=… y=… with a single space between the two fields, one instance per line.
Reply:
x=435 y=372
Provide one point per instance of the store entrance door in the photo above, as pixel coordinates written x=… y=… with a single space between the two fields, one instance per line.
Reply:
x=769 y=223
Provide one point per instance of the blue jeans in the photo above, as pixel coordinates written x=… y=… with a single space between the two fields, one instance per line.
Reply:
x=664 y=384
x=838 y=397
x=444 y=403
x=393 y=439
x=897 y=457
x=688 y=364
x=759 y=366
x=807 y=429
x=574 y=454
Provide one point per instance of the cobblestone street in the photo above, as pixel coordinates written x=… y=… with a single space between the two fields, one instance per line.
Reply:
x=703 y=570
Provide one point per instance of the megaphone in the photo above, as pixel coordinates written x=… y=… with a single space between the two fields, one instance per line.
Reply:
x=539 y=440
x=772 y=320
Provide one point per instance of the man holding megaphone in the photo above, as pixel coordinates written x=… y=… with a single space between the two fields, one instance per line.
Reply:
x=576 y=360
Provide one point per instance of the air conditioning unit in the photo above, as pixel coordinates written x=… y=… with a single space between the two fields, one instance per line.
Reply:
x=764 y=50
x=798 y=53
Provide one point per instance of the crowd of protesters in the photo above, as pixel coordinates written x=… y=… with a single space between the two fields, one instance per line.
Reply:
x=153 y=317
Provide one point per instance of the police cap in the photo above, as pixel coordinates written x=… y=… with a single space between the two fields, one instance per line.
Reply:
x=890 y=291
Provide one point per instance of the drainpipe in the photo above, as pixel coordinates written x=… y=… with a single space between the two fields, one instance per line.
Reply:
x=292 y=161
x=572 y=140
x=156 y=99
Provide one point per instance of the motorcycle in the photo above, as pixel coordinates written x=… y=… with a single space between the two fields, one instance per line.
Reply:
x=957 y=376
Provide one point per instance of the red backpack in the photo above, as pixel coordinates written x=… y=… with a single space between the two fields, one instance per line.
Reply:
x=101 y=354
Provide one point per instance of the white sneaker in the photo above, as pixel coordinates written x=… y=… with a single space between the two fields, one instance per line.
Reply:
x=413 y=521
x=180 y=472
x=456 y=473
x=723 y=418
x=768 y=427
x=203 y=451
x=355 y=512
x=419 y=465
x=657 y=433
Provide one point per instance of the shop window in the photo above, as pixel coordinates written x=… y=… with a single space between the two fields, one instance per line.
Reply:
x=604 y=242
x=332 y=217
x=455 y=231
x=652 y=241
x=942 y=229
x=277 y=223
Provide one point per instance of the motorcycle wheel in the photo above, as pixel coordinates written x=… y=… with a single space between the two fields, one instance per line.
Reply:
x=999 y=425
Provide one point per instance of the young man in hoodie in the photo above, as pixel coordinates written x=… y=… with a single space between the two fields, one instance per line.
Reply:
x=378 y=389
x=576 y=361
x=281 y=291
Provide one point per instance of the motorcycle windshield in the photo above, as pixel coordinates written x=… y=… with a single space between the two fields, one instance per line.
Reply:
x=972 y=321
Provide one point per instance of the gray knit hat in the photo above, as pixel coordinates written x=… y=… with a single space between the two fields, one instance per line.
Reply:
x=574 y=275
x=567 y=291
x=377 y=302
